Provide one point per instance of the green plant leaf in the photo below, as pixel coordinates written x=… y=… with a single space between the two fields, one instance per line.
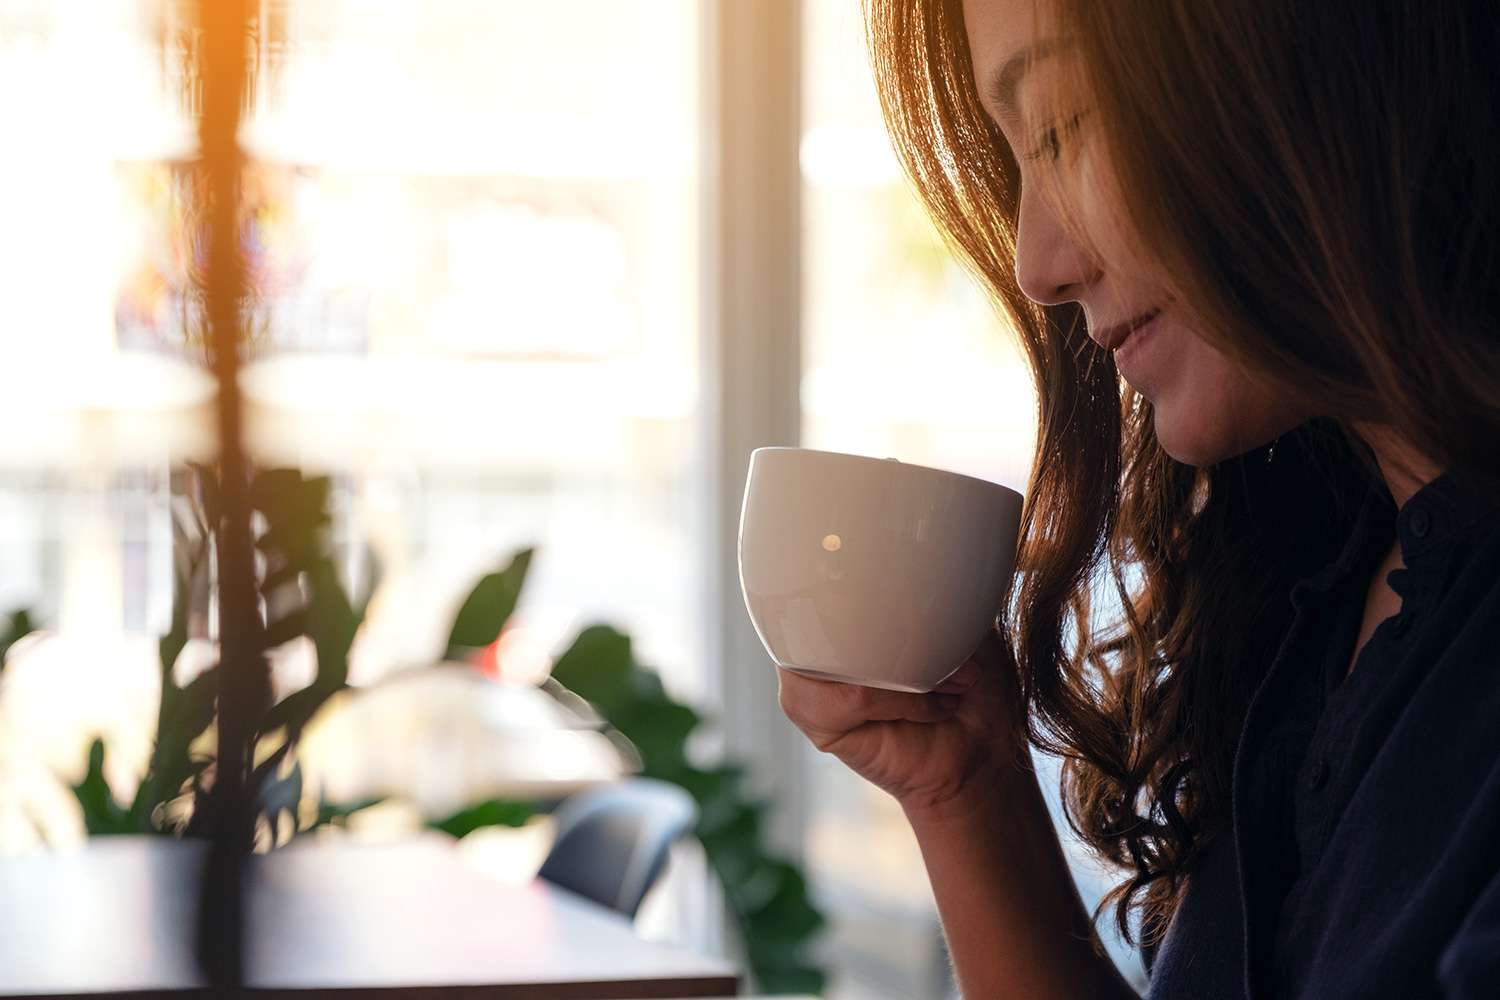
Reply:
x=189 y=555
x=335 y=813
x=102 y=815
x=193 y=708
x=296 y=512
x=597 y=667
x=332 y=622
x=717 y=792
x=295 y=543
x=488 y=607
x=645 y=685
x=296 y=710
x=18 y=625
x=785 y=911
x=285 y=628
x=760 y=884
x=734 y=849
x=286 y=575
x=659 y=730
x=280 y=797
x=291 y=501
x=792 y=978
x=170 y=646
x=208 y=493
x=182 y=713
x=495 y=812
x=778 y=929
x=185 y=714
x=768 y=895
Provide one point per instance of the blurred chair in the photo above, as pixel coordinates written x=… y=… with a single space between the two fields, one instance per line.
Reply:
x=612 y=840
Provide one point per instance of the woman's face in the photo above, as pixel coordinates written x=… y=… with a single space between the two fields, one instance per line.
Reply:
x=1206 y=407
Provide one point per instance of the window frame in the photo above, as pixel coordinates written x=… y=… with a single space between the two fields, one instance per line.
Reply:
x=750 y=355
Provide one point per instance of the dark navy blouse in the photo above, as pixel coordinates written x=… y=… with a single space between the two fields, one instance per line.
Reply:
x=1364 y=859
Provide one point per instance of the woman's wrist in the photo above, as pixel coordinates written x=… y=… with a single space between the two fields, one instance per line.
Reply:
x=1011 y=913
x=999 y=781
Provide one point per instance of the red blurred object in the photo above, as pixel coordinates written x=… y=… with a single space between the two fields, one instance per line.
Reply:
x=488 y=660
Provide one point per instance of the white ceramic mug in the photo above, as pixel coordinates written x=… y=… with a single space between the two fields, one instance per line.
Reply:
x=872 y=571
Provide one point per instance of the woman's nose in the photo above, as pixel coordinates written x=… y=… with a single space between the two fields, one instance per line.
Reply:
x=1051 y=268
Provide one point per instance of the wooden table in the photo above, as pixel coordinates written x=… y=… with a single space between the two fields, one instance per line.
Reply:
x=402 y=921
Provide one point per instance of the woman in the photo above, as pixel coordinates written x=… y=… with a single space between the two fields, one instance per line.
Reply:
x=1276 y=223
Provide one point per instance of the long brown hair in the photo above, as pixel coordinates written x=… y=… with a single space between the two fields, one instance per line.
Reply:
x=1320 y=183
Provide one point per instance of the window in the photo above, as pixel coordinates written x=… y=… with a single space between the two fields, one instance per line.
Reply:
x=472 y=239
x=485 y=312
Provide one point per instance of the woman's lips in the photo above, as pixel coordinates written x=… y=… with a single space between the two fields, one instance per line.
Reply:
x=1112 y=337
x=1130 y=346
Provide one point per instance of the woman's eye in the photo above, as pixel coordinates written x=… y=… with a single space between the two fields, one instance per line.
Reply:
x=1050 y=139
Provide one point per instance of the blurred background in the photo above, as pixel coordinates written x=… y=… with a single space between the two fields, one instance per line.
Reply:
x=525 y=275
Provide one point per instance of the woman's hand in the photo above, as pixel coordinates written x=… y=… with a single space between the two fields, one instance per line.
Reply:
x=925 y=749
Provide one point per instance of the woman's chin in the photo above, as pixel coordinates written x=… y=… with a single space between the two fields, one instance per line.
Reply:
x=1202 y=443
x=1195 y=456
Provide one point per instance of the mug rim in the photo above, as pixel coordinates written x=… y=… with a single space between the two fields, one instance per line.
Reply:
x=881 y=461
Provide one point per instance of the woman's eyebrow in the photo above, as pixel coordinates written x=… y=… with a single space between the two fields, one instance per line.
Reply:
x=1004 y=81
